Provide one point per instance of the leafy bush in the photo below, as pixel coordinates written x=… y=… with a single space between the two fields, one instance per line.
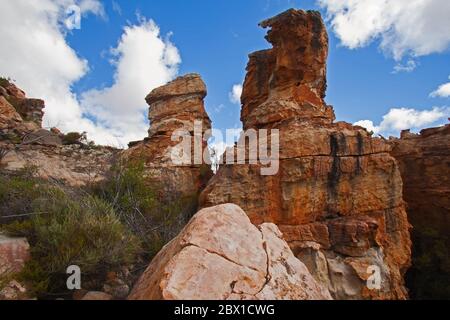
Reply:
x=17 y=193
x=123 y=221
x=70 y=230
x=154 y=213
x=4 y=82
x=73 y=138
x=429 y=276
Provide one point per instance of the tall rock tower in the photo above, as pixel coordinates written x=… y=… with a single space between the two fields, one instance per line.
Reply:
x=176 y=106
x=337 y=196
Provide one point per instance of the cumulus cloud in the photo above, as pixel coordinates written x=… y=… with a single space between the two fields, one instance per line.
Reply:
x=235 y=94
x=399 y=119
x=143 y=61
x=41 y=61
x=405 y=27
x=443 y=91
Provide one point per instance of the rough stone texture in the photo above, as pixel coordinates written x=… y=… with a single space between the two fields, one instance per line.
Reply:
x=175 y=106
x=72 y=164
x=424 y=161
x=220 y=255
x=337 y=196
x=9 y=118
x=14 y=252
x=13 y=291
x=28 y=112
x=23 y=143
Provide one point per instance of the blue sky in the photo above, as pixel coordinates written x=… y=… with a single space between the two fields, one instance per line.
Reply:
x=214 y=38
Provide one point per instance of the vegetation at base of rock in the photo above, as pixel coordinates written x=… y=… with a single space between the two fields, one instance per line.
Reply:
x=429 y=275
x=123 y=221
x=65 y=229
x=153 y=212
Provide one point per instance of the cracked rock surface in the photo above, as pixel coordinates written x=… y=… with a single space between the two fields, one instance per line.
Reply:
x=221 y=255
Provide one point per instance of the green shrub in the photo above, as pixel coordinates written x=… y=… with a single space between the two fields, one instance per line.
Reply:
x=153 y=213
x=4 y=82
x=17 y=194
x=123 y=221
x=71 y=230
x=73 y=138
x=429 y=275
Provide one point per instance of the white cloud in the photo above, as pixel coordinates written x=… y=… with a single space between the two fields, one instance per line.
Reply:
x=143 y=62
x=219 y=108
x=443 y=91
x=116 y=7
x=409 y=66
x=235 y=94
x=41 y=61
x=405 y=27
x=399 y=119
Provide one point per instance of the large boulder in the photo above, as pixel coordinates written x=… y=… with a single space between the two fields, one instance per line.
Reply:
x=337 y=196
x=221 y=255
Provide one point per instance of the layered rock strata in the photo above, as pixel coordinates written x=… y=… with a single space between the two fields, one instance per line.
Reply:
x=337 y=196
x=424 y=161
x=176 y=114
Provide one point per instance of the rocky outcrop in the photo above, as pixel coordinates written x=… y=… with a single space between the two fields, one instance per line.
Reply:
x=24 y=143
x=14 y=252
x=424 y=161
x=220 y=255
x=176 y=107
x=73 y=165
x=337 y=196
x=18 y=114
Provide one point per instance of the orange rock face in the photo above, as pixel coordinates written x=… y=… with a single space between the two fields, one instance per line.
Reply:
x=337 y=196
x=176 y=106
x=220 y=255
x=424 y=161
x=18 y=113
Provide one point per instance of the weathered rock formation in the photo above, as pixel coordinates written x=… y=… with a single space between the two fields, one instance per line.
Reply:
x=24 y=143
x=424 y=161
x=220 y=255
x=337 y=196
x=175 y=107
x=18 y=114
